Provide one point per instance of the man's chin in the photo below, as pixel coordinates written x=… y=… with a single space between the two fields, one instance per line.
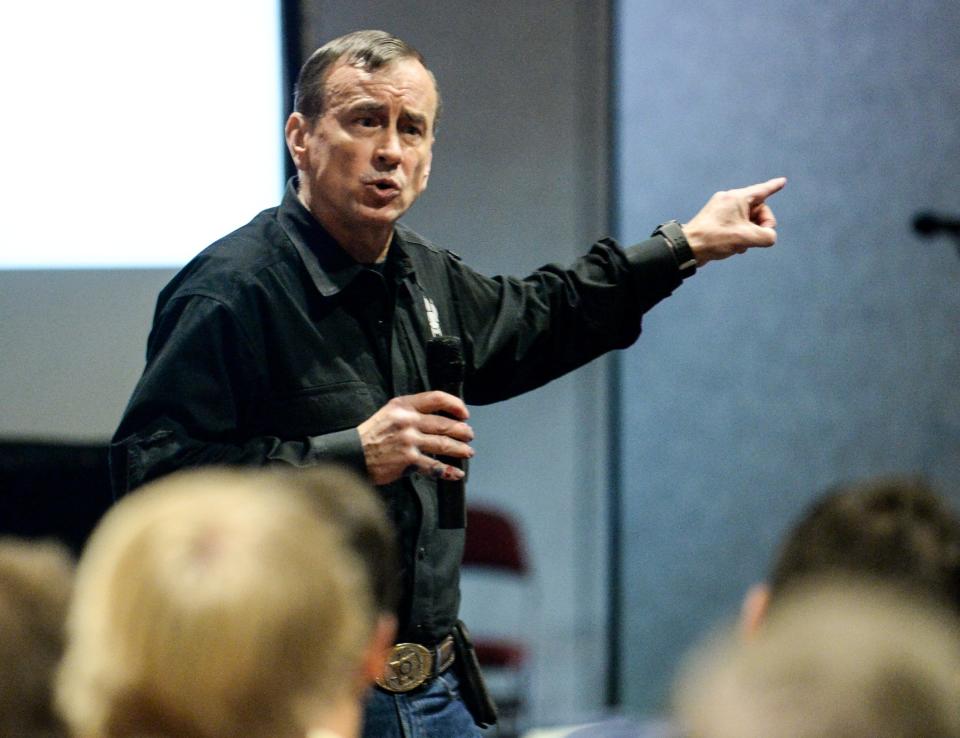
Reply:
x=383 y=215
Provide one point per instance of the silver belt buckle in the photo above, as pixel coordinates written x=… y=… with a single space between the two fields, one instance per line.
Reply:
x=408 y=666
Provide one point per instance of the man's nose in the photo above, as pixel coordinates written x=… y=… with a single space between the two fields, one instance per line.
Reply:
x=389 y=152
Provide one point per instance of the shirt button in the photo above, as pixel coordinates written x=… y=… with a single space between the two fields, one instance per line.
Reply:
x=421 y=553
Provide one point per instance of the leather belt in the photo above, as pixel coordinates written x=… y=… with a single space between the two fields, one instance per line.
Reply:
x=410 y=664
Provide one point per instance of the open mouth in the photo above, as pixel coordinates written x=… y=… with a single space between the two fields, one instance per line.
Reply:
x=384 y=185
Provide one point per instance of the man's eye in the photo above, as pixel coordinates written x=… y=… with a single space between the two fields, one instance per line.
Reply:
x=367 y=121
x=412 y=130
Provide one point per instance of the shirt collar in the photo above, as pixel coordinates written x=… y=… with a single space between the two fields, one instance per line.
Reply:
x=330 y=267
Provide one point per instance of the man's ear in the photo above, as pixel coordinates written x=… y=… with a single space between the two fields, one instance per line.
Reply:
x=378 y=650
x=754 y=610
x=294 y=131
x=426 y=176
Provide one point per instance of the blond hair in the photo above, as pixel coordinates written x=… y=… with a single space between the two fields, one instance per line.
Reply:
x=837 y=658
x=213 y=604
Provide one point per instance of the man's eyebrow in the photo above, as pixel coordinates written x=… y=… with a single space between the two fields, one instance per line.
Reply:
x=366 y=106
x=372 y=106
x=417 y=118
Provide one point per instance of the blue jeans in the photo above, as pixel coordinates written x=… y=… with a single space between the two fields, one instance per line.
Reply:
x=434 y=710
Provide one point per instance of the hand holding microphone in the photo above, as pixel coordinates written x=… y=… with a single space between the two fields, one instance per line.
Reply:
x=425 y=433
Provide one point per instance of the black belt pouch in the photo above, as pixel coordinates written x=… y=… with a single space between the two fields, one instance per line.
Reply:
x=473 y=689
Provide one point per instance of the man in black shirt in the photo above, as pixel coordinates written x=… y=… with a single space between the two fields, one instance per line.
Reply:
x=301 y=336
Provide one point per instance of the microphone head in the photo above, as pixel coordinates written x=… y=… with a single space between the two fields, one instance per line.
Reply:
x=926 y=223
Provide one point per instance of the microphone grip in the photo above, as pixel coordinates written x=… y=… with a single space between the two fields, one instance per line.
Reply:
x=451 y=493
x=445 y=369
x=451 y=499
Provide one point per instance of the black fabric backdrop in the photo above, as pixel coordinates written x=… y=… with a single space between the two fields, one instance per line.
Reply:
x=52 y=490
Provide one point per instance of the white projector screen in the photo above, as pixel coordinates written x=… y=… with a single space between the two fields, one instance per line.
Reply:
x=136 y=133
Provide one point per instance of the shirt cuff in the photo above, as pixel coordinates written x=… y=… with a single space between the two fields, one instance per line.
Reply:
x=654 y=266
x=341 y=446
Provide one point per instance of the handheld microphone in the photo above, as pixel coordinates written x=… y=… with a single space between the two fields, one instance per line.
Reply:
x=445 y=373
x=928 y=224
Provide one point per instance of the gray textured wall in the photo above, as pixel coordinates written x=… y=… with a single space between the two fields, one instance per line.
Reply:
x=72 y=346
x=834 y=355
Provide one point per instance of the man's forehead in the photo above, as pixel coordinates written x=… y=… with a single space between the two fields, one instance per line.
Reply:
x=405 y=80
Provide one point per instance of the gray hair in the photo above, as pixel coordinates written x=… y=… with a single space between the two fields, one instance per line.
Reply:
x=368 y=50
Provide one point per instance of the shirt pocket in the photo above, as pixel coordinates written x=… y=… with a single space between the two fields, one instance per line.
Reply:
x=313 y=411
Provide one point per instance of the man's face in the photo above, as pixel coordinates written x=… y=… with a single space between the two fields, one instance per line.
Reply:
x=367 y=158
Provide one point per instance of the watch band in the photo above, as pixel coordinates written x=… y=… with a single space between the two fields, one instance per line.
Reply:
x=673 y=233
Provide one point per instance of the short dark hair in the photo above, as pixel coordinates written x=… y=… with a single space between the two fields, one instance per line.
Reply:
x=368 y=50
x=895 y=530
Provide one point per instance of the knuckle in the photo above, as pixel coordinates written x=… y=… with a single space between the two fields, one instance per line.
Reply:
x=403 y=418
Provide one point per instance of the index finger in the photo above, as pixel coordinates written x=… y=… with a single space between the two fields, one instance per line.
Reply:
x=760 y=192
x=435 y=401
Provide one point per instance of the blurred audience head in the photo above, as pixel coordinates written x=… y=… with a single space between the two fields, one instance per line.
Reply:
x=223 y=603
x=361 y=518
x=837 y=658
x=35 y=584
x=891 y=530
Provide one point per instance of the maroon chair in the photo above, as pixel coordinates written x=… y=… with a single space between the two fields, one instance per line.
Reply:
x=495 y=554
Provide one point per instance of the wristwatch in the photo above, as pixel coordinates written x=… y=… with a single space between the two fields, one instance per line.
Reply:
x=673 y=233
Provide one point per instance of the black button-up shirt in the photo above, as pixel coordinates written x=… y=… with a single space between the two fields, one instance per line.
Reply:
x=273 y=345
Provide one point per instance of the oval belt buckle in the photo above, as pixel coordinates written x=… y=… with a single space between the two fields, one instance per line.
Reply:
x=407 y=668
